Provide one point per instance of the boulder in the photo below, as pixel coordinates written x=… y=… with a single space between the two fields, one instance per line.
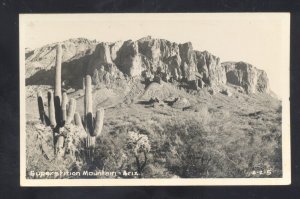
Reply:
x=211 y=91
x=226 y=92
x=181 y=103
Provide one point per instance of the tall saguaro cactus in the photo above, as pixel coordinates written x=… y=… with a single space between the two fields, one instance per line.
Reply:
x=93 y=126
x=60 y=110
x=57 y=86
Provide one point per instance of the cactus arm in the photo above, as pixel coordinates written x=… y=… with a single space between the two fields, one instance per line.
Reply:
x=41 y=107
x=98 y=122
x=51 y=109
x=64 y=107
x=77 y=120
x=87 y=141
x=71 y=111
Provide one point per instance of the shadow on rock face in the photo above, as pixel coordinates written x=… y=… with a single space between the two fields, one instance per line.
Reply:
x=72 y=74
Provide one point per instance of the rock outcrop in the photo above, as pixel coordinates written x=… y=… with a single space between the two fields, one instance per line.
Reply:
x=188 y=61
x=160 y=55
x=247 y=76
x=101 y=65
x=210 y=67
x=128 y=59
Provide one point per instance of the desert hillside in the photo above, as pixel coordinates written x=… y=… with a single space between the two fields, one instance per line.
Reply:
x=170 y=111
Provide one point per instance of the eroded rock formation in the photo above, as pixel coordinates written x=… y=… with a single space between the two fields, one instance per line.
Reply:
x=247 y=76
x=149 y=58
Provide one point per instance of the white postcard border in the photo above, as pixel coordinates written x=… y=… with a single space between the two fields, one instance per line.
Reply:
x=286 y=149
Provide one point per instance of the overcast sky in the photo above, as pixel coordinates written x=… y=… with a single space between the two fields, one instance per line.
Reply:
x=259 y=39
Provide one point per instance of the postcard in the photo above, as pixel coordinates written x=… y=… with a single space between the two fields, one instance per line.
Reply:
x=156 y=99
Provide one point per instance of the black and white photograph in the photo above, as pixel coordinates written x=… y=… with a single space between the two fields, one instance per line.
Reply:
x=154 y=99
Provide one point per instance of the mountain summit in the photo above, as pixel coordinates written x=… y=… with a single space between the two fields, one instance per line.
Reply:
x=147 y=58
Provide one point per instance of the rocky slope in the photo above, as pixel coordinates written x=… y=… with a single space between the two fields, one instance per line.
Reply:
x=147 y=58
x=43 y=58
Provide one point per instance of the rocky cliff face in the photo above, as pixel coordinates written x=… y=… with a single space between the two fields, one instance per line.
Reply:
x=145 y=57
x=148 y=56
x=129 y=59
x=247 y=76
x=177 y=61
x=101 y=61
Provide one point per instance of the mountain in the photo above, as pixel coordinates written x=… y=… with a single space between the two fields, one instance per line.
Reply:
x=198 y=117
x=146 y=58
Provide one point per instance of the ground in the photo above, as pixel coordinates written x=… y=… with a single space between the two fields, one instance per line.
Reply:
x=207 y=135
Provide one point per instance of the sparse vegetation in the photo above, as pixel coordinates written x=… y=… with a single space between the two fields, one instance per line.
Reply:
x=229 y=140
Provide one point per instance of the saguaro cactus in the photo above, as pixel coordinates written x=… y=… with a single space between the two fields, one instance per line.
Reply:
x=60 y=111
x=57 y=86
x=92 y=125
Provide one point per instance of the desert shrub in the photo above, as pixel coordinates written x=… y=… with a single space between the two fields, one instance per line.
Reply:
x=249 y=147
x=109 y=154
x=123 y=151
x=139 y=147
x=219 y=148
x=189 y=150
x=253 y=152
x=40 y=152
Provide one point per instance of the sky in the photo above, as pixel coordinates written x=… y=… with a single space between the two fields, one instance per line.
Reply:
x=261 y=39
